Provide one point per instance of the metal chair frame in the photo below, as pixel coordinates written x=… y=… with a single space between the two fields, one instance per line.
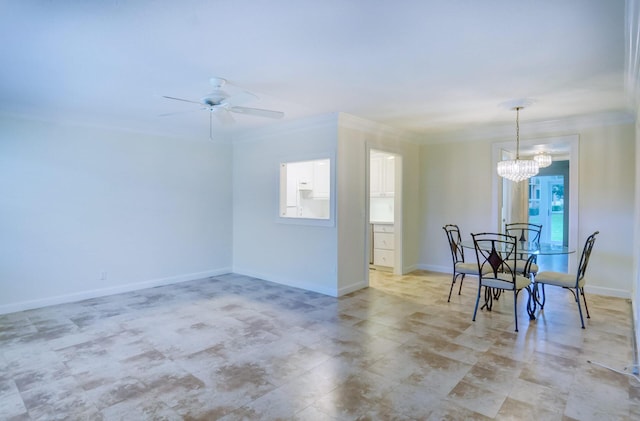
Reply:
x=576 y=291
x=496 y=254
x=457 y=255
x=526 y=233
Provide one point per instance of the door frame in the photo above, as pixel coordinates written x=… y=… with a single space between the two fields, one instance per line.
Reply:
x=562 y=147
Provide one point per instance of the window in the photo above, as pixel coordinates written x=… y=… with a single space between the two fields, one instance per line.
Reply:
x=305 y=189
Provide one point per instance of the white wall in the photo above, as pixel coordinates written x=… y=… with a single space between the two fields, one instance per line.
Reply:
x=264 y=246
x=88 y=211
x=457 y=189
x=635 y=290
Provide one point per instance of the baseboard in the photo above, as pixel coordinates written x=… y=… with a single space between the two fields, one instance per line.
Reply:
x=102 y=292
x=609 y=292
x=590 y=289
x=434 y=268
x=636 y=337
x=408 y=269
x=351 y=288
x=321 y=289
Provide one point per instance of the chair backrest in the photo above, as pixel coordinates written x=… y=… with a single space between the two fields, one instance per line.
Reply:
x=525 y=232
x=586 y=253
x=455 y=240
x=496 y=255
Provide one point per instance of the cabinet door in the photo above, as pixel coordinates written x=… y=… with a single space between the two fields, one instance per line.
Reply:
x=383 y=240
x=389 y=176
x=321 y=179
x=375 y=176
x=383 y=258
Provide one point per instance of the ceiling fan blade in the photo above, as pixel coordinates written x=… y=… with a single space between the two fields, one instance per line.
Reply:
x=257 y=112
x=241 y=98
x=181 y=99
x=177 y=113
x=222 y=116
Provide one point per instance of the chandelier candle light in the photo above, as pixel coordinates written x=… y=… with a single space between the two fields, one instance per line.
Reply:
x=517 y=169
x=543 y=159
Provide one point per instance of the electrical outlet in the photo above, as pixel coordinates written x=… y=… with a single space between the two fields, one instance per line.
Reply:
x=103 y=276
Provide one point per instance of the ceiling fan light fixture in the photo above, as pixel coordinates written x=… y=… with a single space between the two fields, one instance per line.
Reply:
x=517 y=169
x=543 y=159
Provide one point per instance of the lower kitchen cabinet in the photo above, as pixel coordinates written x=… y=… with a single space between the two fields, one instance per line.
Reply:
x=383 y=245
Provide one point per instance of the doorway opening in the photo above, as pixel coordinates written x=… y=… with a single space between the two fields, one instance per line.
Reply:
x=547 y=207
x=384 y=211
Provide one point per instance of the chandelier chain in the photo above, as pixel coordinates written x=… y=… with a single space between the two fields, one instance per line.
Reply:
x=518 y=132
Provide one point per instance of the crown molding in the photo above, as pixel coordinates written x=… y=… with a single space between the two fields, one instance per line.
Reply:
x=632 y=51
x=358 y=123
x=286 y=127
x=536 y=128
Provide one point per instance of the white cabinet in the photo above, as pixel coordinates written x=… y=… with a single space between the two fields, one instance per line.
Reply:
x=382 y=174
x=383 y=245
x=321 y=179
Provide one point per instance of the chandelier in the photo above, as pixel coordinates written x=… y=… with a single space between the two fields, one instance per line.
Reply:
x=543 y=159
x=517 y=169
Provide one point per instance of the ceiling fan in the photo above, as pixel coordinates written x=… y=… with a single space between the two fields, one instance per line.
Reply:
x=220 y=105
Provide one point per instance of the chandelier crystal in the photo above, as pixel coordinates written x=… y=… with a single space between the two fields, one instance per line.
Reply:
x=543 y=159
x=517 y=169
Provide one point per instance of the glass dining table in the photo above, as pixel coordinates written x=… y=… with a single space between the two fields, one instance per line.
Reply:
x=532 y=251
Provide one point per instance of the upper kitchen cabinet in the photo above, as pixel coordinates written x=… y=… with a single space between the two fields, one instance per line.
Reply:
x=321 y=179
x=305 y=188
x=382 y=174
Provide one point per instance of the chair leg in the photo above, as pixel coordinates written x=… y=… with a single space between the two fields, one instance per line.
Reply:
x=579 y=307
x=475 y=311
x=453 y=282
x=584 y=298
x=531 y=303
x=544 y=298
x=461 y=279
x=515 y=307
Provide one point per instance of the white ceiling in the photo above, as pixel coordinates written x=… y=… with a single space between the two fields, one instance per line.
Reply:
x=429 y=67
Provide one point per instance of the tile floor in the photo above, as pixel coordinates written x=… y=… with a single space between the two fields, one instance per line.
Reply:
x=233 y=348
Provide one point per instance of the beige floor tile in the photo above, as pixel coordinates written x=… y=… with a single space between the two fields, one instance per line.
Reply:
x=233 y=347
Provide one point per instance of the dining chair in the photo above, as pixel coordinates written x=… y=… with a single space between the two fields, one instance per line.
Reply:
x=526 y=233
x=568 y=281
x=497 y=255
x=460 y=267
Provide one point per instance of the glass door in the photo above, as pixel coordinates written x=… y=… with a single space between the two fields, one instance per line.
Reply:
x=546 y=207
x=549 y=206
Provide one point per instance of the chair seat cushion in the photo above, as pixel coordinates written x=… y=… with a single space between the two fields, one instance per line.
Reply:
x=504 y=281
x=560 y=279
x=520 y=264
x=468 y=268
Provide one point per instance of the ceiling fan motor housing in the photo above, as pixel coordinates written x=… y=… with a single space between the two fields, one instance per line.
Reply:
x=214 y=98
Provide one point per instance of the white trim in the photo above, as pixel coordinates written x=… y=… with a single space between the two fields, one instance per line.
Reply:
x=607 y=292
x=573 y=142
x=589 y=289
x=307 y=286
x=102 y=292
x=357 y=123
x=632 y=51
x=351 y=288
x=408 y=269
x=498 y=131
x=286 y=127
x=434 y=268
